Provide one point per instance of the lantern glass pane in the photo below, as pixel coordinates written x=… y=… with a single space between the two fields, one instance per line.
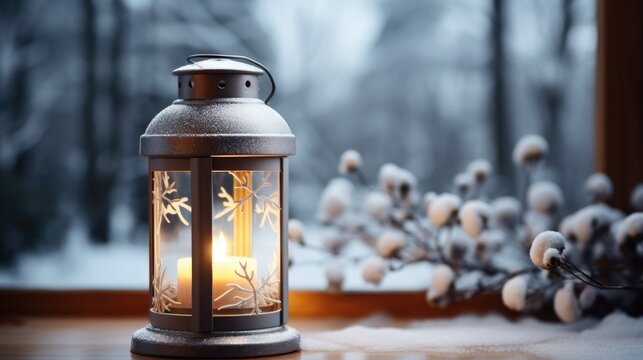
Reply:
x=246 y=237
x=172 y=218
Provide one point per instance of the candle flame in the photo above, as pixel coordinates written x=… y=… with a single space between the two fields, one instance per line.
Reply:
x=219 y=248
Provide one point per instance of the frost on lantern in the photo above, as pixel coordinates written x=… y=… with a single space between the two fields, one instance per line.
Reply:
x=241 y=204
x=218 y=173
x=169 y=205
x=247 y=293
x=247 y=205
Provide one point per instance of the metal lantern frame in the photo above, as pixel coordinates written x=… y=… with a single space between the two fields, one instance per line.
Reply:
x=218 y=124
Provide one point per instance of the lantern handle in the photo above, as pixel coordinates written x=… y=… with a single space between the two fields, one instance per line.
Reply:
x=191 y=58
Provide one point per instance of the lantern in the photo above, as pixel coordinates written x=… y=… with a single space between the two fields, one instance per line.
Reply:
x=218 y=180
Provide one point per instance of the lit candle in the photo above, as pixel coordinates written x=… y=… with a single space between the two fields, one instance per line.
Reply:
x=223 y=274
x=184 y=283
x=226 y=270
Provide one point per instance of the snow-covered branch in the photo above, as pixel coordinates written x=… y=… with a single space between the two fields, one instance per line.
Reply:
x=523 y=249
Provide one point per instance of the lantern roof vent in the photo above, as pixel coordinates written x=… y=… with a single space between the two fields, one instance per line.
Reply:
x=219 y=113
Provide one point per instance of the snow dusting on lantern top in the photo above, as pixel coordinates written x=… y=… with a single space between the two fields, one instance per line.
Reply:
x=218 y=66
x=218 y=113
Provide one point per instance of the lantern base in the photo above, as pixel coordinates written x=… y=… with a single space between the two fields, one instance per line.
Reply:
x=233 y=344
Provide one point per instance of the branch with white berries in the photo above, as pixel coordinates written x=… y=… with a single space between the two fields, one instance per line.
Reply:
x=521 y=248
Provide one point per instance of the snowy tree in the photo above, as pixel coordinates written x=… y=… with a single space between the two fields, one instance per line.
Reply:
x=427 y=85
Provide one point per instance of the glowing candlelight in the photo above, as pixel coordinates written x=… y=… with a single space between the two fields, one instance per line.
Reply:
x=223 y=274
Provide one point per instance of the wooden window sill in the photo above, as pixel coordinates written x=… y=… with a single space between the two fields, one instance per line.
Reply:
x=108 y=303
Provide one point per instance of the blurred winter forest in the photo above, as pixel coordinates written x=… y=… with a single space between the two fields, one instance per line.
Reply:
x=428 y=85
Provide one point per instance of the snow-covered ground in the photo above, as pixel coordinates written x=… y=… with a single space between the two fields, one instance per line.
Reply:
x=81 y=265
x=617 y=336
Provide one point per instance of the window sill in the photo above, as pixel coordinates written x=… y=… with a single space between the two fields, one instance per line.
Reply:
x=302 y=304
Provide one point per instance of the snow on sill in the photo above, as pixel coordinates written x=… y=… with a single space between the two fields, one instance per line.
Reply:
x=617 y=336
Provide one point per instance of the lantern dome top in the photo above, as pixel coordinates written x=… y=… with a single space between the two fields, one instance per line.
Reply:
x=218 y=113
x=218 y=65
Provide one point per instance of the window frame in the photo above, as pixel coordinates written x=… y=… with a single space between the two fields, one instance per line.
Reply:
x=618 y=153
